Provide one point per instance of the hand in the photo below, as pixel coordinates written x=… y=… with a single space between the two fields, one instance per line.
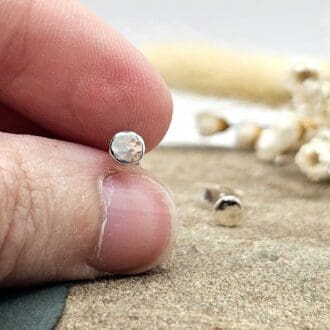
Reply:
x=68 y=211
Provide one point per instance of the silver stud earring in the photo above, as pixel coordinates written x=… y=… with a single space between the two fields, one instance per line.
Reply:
x=227 y=207
x=127 y=148
x=228 y=210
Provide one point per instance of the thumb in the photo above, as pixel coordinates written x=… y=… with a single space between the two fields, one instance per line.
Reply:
x=68 y=212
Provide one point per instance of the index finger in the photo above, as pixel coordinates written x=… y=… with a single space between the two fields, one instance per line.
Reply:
x=73 y=75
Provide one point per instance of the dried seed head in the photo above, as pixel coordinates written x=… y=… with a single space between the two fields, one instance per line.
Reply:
x=209 y=124
x=313 y=158
x=247 y=135
x=228 y=211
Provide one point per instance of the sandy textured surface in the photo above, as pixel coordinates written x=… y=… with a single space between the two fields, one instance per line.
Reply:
x=272 y=272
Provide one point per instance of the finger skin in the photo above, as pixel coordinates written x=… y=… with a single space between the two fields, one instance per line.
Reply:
x=69 y=212
x=69 y=72
x=12 y=122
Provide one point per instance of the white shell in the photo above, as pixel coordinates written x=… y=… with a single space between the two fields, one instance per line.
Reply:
x=209 y=123
x=247 y=135
x=288 y=129
x=268 y=145
x=313 y=158
x=310 y=96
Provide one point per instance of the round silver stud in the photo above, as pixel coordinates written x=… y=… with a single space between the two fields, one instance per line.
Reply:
x=228 y=210
x=127 y=147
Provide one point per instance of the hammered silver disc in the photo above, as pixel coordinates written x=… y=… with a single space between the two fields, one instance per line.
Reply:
x=127 y=147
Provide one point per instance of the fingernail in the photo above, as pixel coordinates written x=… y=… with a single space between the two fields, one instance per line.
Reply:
x=139 y=227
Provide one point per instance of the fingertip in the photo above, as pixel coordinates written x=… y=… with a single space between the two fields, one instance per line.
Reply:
x=127 y=94
x=139 y=228
x=88 y=82
x=156 y=100
x=149 y=102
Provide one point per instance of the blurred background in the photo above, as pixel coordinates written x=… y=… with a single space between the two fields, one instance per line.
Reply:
x=298 y=29
x=282 y=26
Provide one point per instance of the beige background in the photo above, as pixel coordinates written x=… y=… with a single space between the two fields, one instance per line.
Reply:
x=289 y=27
x=272 y=272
